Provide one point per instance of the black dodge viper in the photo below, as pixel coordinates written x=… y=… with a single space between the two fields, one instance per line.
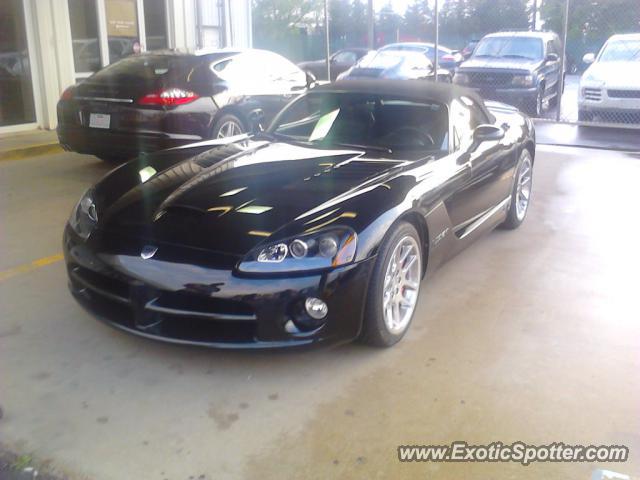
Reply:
x=316 y=231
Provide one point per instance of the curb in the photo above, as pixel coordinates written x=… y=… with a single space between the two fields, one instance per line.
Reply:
x=30 y=151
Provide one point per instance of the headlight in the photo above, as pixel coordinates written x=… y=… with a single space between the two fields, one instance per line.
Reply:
x=84 y=216
x=522 y=80
x=461 y=78
x=324 y=249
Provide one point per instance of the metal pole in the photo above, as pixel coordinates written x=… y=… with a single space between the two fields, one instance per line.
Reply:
x=370 y=39
x=435 y=54
x=560 y=83
x=535 y=14
x=326 y=32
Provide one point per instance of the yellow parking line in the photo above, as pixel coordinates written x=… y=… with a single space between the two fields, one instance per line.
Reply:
x=29 y=267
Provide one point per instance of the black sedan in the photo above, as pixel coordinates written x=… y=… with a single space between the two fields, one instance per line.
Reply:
x=317 y=231
x=340 y=61
x=159 y=100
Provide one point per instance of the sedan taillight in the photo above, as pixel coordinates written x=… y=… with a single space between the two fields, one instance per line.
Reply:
x=169 y=97
x=68 y=93
x=448 y=58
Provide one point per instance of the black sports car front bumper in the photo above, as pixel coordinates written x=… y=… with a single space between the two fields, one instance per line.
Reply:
x=192 y=296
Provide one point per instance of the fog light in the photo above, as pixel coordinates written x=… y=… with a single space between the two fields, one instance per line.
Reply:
x=316 y=308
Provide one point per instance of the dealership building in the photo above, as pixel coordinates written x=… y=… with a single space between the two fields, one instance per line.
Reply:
x=47 y=45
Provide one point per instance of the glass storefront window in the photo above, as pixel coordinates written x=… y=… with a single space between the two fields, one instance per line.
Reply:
x=122 y=28
x=84 y=34
x=16 y=90
x=155 y=25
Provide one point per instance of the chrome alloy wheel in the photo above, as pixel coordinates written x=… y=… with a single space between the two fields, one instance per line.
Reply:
x=523 y=188
x=401 y=285
x=229 y=129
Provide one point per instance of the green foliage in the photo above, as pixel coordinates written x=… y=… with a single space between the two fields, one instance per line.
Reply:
x=418 y=20
x=22 y=462
x=295 y=28
x=591 y=22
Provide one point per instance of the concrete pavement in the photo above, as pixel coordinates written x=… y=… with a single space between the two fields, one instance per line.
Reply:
x=528 y=335
x=15 y=146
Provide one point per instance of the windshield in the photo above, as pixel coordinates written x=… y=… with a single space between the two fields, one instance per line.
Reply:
x=367 y=121
x=146 y=68
x=510 y=47
x=384 y=60
x=423 y=49
x=621 y=51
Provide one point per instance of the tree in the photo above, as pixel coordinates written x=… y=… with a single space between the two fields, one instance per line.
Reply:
x=590 y=23
x=488 y=16
x=347 y=23
x=388 y=24
x=417 y=22
x=284 y=27
x=279 y=18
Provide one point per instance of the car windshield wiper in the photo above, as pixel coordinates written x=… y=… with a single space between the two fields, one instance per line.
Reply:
x=484 y=55
x=376 y=148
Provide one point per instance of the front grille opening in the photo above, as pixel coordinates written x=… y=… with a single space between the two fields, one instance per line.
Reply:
x=198 y=302
x=173 y=327
x=491 y=79
x=623 y=93
x=99 y=282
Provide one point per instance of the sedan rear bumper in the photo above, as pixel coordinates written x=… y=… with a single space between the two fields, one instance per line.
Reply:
x=100 y=142
x=196 y=302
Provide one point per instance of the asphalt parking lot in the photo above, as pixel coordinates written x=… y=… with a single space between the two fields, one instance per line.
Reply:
x=527 y=335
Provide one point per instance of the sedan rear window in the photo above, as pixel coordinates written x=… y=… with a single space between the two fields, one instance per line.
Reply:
x=147 y=68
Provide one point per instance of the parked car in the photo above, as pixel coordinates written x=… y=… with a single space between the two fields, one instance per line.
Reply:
x=315 y=232
x=447 y=58
x=467 y=51
x=394 y=64
x=610 y=87
x=518 y=68
x=158 y=100
x=340 y=61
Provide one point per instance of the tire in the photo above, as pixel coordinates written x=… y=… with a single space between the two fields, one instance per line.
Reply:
x=227 y=125
x=537 y=109
x=377 y=329
x=521 y=190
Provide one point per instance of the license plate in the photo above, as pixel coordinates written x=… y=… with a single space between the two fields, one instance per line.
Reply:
x=99 y=120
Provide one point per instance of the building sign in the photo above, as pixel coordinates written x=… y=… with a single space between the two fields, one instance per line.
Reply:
x=122 y=20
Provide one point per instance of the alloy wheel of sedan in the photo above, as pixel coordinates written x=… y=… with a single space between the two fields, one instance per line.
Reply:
x=401 y=284
x=230 y=128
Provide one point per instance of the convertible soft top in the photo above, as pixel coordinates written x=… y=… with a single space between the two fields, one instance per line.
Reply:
x=415 y=89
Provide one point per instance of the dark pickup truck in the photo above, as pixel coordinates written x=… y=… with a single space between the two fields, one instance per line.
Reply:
x=518 y=68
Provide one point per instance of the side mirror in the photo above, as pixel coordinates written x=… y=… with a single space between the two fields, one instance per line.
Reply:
x=487 y=133
x=311 y=79
x=256 y=118
x=552 y=57
x=589 y=58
